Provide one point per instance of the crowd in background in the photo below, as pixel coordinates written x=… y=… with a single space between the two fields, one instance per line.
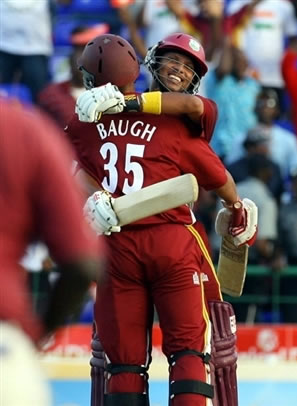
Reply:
x=251 y=51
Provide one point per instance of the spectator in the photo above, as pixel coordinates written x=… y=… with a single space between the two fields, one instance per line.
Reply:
x=205 y=22
x=58 y=99
x=271 y=22
x=288 y=240
x=294 y=2
x=289 y=72
x=26 y=43
x=255 y=187
x=283 y=143
x=148 y=23
x=35 y=169
x=235 y=93
x=288 y=222
x=257 y=143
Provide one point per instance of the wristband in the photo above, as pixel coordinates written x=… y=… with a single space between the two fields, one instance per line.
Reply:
x=133 y=103
x=146 y=102
x=151 y=102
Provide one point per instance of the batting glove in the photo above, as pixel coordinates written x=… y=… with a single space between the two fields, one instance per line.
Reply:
x=92 y=103
x=99 y=213
x=246 y=231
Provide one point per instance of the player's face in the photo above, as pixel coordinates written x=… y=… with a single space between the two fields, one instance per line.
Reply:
x=176 y=71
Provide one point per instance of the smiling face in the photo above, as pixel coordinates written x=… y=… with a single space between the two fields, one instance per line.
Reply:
x=175 y=71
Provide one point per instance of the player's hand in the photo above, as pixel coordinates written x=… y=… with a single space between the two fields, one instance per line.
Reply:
x=99 y=213
x=106 y=99
x=243 y=233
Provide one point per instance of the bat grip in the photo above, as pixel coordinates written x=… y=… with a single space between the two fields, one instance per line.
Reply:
x=237 y=213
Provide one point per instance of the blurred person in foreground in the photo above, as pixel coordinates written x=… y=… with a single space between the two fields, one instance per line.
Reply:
x=58 y=99
x=39 y=200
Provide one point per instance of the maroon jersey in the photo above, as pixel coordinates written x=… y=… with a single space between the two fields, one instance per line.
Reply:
x=35 y=186
x=57 y=101
x=208 y=119
x=128 y=151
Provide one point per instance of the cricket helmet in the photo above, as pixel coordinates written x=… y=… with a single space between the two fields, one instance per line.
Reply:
x=108 y=58
x=185 y=44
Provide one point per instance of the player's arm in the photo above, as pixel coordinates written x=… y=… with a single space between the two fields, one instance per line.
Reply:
x=199 y=158
x=98 y=209
x=243 y=228
x=228 y=192
x=107 y=99
x=182 y=104
x=88 y=183
x=172 y=103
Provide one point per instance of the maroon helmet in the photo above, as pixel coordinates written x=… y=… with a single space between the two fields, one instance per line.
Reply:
x=185 y=44
x=108 y=58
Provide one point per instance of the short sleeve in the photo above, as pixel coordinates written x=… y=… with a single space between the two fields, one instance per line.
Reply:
x=198 y=158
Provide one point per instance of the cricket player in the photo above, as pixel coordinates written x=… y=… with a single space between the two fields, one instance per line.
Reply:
x=39 y=200
x=162 y=62
x=125 y=141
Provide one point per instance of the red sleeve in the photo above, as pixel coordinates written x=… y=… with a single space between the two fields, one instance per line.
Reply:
x=209 y=118
x=204 y=128
x=289 y=72
x=198 y=158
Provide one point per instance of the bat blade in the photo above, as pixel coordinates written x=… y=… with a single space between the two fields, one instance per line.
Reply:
x=232 y=263
x=232 y=267
x=157 y=198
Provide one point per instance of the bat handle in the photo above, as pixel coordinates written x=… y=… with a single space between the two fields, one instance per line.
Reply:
x=237 y=213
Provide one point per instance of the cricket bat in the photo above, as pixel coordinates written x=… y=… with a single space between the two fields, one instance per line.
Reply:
x=157 y=198
x=232 y=264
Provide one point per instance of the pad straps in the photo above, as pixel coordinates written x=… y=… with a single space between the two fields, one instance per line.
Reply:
x=125 y=399
x=174 y=357
x=190 y=386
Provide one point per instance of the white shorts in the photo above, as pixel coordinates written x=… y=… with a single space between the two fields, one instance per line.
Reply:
x=22 y=380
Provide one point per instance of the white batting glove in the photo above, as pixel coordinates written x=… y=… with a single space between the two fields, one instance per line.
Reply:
x=223 y=221
x=92 y=103
x=246 y=232
x=99 y=213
